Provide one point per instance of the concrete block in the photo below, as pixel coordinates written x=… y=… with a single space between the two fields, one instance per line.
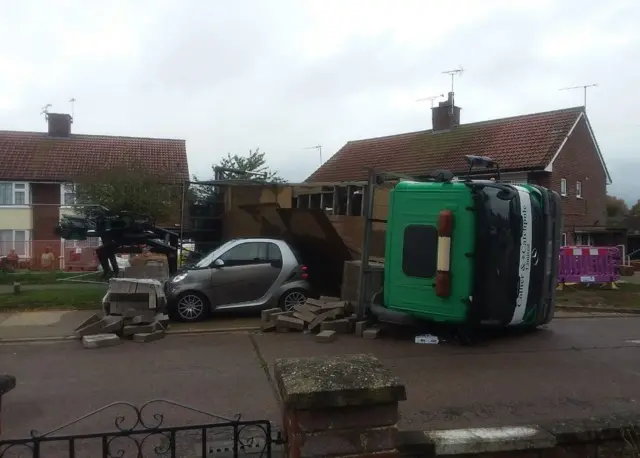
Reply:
x=371 y=333
x=140 y=329
x=314 y=302
x=342 y=326
x=100 y=341
x=360 y=327
x=324 y=316
x=290 y=323
x=148 y=337
x=329 y=299
x=326 y=336
x=267 y=319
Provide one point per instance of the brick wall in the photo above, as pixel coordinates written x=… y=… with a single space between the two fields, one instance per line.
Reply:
x=579 y=161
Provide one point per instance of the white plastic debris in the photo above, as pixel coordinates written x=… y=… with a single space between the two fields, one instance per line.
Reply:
x=427 y=339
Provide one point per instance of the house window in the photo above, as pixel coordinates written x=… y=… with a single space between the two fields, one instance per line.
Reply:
x=563 y=187
x=17 y=240
x=579 y=189
x=564 y=239
x=14 y=194
x=68 y=196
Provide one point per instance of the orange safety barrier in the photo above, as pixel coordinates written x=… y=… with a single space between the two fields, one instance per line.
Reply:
x=50 y=254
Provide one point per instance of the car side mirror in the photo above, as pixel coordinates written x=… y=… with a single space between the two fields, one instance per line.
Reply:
x=218 y=263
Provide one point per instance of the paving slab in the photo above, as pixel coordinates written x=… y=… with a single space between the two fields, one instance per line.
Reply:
x=38 y=324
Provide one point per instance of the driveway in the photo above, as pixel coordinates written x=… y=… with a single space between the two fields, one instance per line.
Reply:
x=576 y=368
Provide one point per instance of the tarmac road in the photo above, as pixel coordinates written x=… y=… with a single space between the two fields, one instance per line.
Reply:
x=576 y=368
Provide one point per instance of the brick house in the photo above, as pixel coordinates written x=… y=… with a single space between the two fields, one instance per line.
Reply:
x=556 y=149
x=37 y=171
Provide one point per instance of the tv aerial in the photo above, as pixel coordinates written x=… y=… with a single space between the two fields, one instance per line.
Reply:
x=431 y=99
x=583 y=87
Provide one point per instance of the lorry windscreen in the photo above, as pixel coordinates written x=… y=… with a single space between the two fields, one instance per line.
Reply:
x=498 y=247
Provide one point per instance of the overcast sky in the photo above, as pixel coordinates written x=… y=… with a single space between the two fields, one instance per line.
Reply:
x=283 y=75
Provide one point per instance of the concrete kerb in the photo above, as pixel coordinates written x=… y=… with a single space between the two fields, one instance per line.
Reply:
x=606 y=437
x=176 y=332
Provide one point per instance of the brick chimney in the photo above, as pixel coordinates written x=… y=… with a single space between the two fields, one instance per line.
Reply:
x=59 y=124
x=446 y=115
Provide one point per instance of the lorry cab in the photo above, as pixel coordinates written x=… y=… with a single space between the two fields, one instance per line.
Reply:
x=476 y=252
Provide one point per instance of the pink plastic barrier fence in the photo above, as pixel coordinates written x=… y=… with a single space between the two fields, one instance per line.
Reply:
x=580 y=264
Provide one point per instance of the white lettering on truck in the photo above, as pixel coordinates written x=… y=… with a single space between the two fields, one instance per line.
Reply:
x=524 y=265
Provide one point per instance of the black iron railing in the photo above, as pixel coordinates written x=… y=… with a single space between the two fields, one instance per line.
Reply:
x=140 y=433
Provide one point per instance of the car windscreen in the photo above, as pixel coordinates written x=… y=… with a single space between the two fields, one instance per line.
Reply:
x=209 y=258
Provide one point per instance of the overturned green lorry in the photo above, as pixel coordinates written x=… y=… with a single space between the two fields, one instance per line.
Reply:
x=470 y=253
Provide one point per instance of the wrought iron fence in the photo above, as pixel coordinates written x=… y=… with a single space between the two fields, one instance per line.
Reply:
x=141 y=432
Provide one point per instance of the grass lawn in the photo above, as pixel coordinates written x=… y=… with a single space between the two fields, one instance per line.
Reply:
x=32 y=277
x=75 y=296
x=627 y=296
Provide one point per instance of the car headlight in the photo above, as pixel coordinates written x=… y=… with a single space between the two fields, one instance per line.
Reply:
x=178 y=278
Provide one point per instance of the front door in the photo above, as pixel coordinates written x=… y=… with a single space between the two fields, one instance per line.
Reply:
x=249 y=270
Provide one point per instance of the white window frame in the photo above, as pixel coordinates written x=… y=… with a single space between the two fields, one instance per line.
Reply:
x=563 y=187
x=64 y=189
x=14 y=185
x=564 y=239
x=27 y=242
x=579 y=189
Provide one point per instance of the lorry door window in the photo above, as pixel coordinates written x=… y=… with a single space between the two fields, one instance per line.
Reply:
x=420 y=251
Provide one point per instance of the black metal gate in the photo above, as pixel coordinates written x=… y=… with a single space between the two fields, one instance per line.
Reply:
x=142 y=432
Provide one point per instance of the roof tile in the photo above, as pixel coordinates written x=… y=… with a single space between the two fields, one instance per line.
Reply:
x=520 y=142
x=34 y=156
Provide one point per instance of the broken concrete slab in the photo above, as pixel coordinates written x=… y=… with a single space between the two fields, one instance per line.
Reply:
x=146 y=317
x=287 y=322
x=304 y=312
x=100 y=341
x=89 y=321
x=329 y=299
x=326 y=336
x=342 y=326
x=132 y=329
x=111 y=323
x=148 y=337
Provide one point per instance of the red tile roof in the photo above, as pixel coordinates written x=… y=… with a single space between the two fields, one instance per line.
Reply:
x=518 y=143
x=34 y=156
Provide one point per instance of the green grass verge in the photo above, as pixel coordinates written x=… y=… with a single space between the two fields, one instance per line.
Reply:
x=627 y=296
x=31 y=277
x=75 y=297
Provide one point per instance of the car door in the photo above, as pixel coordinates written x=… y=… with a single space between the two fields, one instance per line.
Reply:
x=244 y=276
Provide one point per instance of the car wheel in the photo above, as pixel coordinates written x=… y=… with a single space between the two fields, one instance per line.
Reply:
x=190 y=306
x=292 y=298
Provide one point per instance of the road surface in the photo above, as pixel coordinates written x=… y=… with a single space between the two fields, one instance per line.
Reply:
x=575 y=368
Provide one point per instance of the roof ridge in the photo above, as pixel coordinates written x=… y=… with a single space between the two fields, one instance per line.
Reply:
x=89 y=136
x=578 y=109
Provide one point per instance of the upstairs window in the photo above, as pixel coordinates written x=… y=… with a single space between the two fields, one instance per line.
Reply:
x=563 y=187
x=68 y=194
x=14 y=193
x=579 y=189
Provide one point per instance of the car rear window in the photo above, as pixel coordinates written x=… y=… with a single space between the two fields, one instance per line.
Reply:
x=420 y=251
